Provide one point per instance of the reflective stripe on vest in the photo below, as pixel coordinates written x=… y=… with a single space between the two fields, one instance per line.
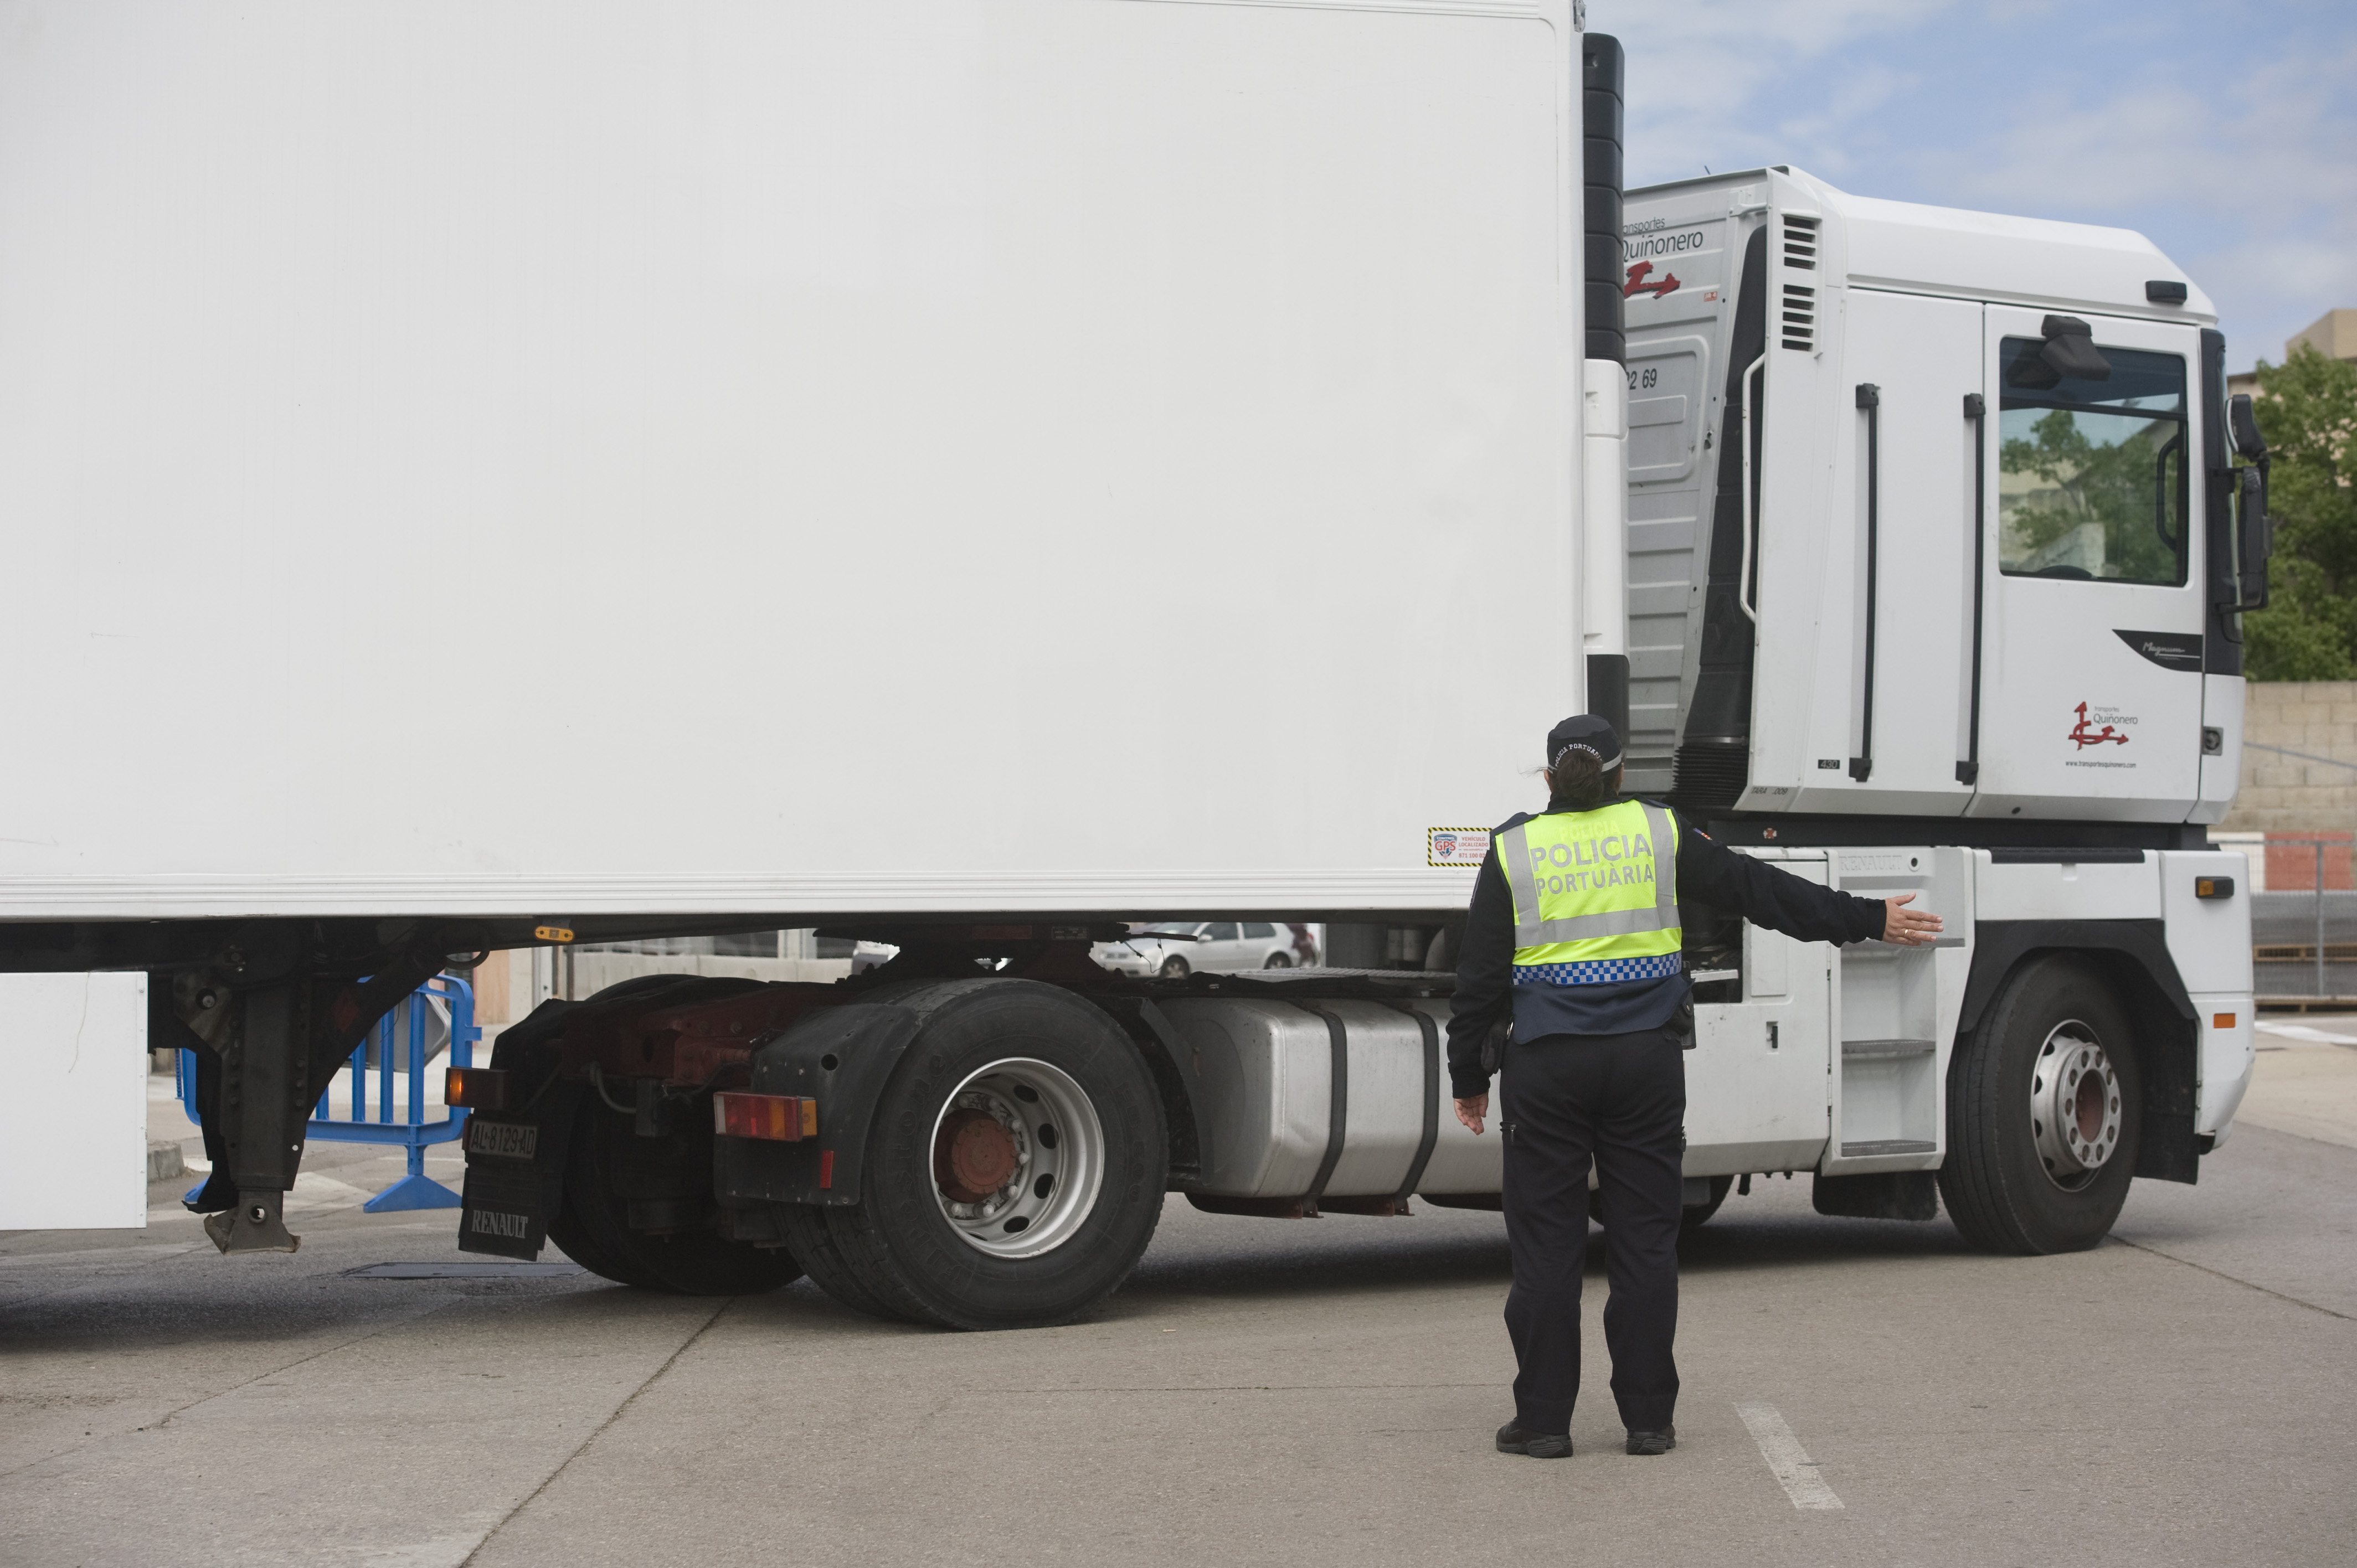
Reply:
x=1522 y=876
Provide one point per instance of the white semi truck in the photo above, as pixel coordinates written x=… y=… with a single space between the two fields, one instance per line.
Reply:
x=569 y=474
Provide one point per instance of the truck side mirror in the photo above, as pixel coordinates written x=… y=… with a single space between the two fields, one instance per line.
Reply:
x=2258 y=535
x=2242 y=424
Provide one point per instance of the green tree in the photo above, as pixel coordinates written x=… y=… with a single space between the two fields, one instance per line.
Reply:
x=2307 y=412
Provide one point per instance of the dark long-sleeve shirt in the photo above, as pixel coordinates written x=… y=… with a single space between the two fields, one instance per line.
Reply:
x=1707 y=873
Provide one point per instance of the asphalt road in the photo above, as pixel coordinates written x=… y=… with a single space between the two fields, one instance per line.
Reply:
x=1303 y=1392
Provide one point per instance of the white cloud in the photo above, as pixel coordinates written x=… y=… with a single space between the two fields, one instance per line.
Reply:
x=1697 y=68
x=2248 y=181
x=2231 y=150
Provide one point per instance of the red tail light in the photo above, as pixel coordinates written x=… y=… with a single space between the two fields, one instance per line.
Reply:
x=784 y=1118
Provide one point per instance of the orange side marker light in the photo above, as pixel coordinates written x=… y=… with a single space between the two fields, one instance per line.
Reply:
x=475 y=1088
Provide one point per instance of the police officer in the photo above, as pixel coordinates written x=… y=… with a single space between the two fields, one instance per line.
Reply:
x=1574 y=935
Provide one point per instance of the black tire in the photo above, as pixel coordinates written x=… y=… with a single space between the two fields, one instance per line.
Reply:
x=1997 y=1185
x=1279 y=961
x=814 y=1247
x=681 y=1263
x=592 y=1222
x=1698 y=1215
x=1175 y=968
x=899 y=1239
x=1692 y=1219
x=526 y=1049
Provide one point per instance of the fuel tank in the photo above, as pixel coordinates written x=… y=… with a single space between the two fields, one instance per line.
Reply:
x=1353 y=1091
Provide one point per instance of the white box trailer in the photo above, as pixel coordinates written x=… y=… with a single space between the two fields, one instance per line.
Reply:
x=832 y=415
x=836 y=416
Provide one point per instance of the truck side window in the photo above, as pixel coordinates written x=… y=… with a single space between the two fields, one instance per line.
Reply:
x=2091 y=474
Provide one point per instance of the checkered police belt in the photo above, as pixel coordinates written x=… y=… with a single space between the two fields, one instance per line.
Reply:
x=1597 y=971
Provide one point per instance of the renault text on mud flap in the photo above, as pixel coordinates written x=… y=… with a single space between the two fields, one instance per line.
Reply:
x=491 y=1222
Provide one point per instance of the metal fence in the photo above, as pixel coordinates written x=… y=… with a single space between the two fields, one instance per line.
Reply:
x=442 y=1009
x=2304 y=941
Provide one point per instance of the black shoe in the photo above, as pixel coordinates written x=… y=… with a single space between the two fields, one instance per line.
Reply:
x=1512 y=1439
x=1648 y=1443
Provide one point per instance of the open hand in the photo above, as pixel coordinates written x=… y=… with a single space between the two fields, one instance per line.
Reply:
x=1472 y=1110
x=1902 y=928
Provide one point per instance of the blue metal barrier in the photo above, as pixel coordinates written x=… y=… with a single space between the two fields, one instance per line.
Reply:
x=416 y=1189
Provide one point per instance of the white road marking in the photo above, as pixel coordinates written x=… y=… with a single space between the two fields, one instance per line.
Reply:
x=1787 y=1460
x=2303 y=1032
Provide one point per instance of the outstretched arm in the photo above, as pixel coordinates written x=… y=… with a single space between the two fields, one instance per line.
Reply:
x=1766 y=895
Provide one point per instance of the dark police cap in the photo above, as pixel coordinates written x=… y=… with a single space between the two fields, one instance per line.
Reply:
x=1586 y=733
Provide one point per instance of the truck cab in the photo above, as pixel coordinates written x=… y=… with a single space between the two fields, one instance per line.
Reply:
x=1950 y=475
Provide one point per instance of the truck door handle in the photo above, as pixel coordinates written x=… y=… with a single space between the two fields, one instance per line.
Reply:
x=1743 y=593
x=1968 y=767
x=1869 y=399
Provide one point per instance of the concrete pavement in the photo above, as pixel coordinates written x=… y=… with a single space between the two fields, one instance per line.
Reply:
x=1317 y=1391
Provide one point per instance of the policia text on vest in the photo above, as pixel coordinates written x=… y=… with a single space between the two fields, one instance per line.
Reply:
x=1574 y=938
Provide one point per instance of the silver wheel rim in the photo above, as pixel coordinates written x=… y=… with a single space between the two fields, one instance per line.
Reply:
x=2074 y=1105
x=1018 y=1155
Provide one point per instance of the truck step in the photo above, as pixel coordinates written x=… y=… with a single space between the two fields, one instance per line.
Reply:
x=1856 y=1050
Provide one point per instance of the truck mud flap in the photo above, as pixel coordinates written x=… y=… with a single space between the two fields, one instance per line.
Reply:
x=841 y=1058
x=515 y=1174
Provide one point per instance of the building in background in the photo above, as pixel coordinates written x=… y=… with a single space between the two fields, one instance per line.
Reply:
x=2332 y=333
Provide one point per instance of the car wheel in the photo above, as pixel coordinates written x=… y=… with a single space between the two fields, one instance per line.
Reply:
x=1174 y=968
x=2044 y=1113
x=1279 y=961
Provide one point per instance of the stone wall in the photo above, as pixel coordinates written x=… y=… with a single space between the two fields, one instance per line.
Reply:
x=2283 y=792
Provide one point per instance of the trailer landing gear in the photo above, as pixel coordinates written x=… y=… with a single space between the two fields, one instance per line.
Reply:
x=282 y=1045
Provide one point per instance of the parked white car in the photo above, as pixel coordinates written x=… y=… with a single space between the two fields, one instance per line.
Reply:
x=1174 y=948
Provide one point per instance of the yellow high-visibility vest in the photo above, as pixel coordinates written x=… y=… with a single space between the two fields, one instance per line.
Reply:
x=1595 y=895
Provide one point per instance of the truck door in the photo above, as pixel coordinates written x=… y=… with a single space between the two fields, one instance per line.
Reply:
x=2089 y=691
x=1890 y=743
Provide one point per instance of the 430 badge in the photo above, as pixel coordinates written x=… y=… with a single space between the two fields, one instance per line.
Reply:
x=503 y=1140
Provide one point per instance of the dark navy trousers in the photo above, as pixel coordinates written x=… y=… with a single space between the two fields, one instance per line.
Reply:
x=1619 y=1099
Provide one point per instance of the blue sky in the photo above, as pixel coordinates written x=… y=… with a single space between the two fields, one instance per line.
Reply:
x=2225 y=133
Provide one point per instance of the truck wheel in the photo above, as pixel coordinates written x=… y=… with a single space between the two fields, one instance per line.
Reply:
x=592 y=1223
x=595 y=1216
x=816 y=1247
x=1690 y=1219
x=1698 y=1215
x=1015 y=1166
x=2044 y=1107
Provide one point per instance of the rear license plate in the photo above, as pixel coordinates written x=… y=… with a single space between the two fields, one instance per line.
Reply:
x=503 y=1140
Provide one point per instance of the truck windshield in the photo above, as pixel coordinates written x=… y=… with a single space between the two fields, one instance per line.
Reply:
x=2090 y=481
